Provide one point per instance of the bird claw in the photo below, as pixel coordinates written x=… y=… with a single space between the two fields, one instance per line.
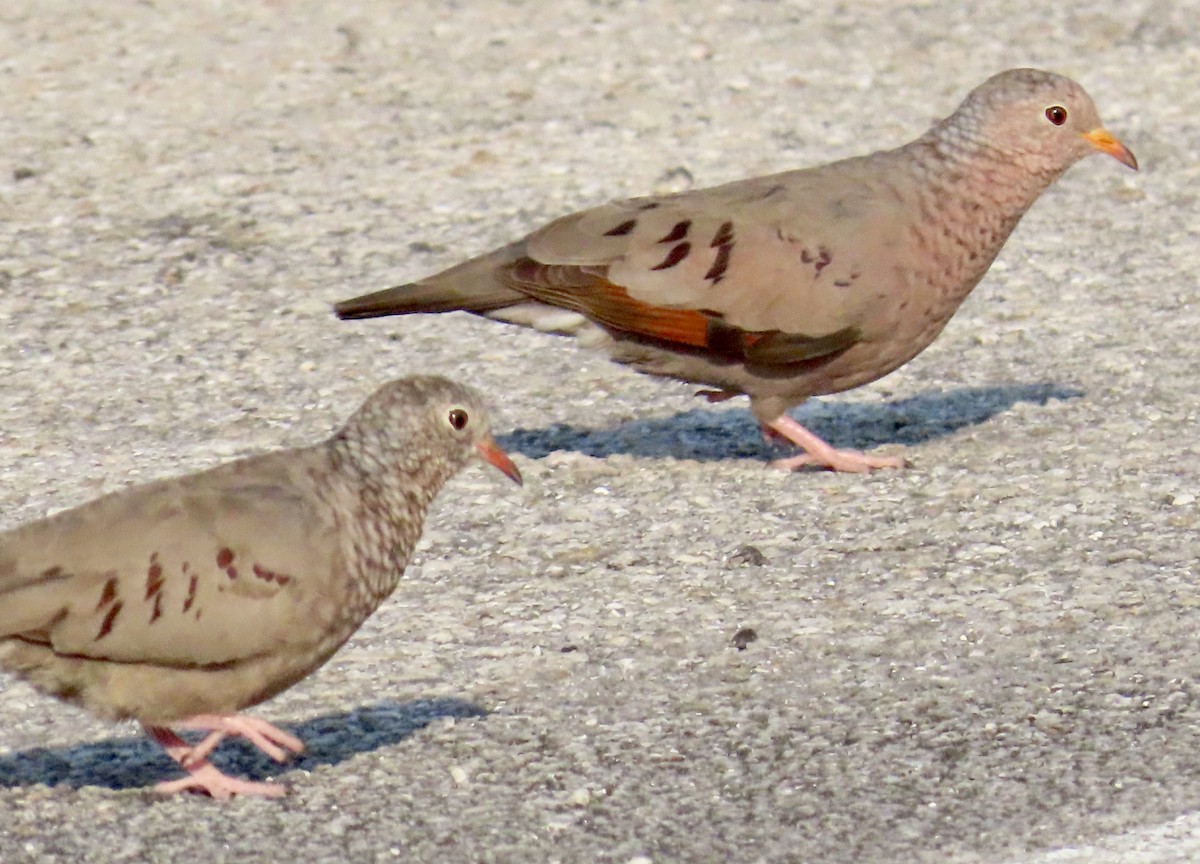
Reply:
x=819 y=454
x=845 y=461
x=202 y=775
x=268 y=738
x=205 y=778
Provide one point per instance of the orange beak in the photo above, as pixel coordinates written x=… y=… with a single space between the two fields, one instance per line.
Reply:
x=1102 y=139
x=491 y=453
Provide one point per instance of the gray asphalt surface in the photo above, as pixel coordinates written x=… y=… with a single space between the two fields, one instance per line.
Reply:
x=988 y=657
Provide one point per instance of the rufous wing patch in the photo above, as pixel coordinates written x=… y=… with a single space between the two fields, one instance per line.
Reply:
x=585 y=290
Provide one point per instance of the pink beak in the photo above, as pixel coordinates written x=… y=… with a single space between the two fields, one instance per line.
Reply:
x=492 y=454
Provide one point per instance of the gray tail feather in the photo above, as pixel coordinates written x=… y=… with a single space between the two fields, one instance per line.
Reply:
x=471 y=286
x=422 y=297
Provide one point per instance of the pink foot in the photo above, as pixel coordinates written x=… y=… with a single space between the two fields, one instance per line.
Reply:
x=202 y=775
x=820 y=454
x=267 y=738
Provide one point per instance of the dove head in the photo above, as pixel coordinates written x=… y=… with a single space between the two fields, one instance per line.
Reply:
x=1039 y=120
x=421 y=430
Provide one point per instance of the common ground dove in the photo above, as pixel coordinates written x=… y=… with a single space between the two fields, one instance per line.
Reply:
x=181 y=602
x=793 y=285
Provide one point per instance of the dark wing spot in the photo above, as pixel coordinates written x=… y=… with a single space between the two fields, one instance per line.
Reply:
x=51 y=572
x=724 y=235
x=157 y=613
x=649 y=205
x=678 y=232
x=677 y=254
x=224 y=557
x=193 y=583
x=823 y=260
x=107 y=624
x=819 y=261
x=842 y=283
x=773 y=191
x=154 y=578
x=717 y=271
x=622 y=229
x=231 y=572
x=270 y=575
x=109 y=593
x=726 y=341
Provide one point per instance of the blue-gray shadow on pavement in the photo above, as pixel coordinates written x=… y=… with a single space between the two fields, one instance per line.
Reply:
x=707 y=434
x=133 y=762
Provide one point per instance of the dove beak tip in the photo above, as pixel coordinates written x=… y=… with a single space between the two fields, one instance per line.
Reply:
x=491 y=453
x=1104 y=141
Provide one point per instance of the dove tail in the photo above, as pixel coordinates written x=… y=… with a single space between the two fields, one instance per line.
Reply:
x=423 y=297
x=472 y=286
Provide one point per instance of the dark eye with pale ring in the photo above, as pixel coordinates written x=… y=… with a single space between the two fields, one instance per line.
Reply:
x=1056 y=114
x=458 y=418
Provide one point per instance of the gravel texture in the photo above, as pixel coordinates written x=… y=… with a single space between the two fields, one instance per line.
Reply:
x=988 y=657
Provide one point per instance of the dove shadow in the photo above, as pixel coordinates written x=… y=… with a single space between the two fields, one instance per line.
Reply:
x=136 y=762
x=707 y=434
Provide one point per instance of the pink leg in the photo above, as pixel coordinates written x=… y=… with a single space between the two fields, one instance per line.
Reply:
x=773 y=436
x=202 y=776
x=822 y=455
x=267 y=738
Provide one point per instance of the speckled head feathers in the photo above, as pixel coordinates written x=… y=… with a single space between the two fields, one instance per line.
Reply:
x=424 y=421
x=1042 y=121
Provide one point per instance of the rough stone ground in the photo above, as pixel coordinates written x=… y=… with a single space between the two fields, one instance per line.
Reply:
x=989 y=657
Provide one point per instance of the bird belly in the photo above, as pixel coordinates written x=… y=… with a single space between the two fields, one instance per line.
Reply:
x=153 y=694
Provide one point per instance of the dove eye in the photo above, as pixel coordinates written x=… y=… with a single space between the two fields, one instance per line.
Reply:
x=458 y=418
x=1056 y=114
